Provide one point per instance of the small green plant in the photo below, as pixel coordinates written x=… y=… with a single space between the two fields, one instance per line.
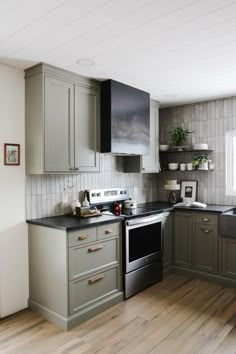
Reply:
x=200 y=158
x=179 y=135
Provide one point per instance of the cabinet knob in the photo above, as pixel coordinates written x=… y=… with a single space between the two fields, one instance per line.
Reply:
x=108 y=232
x=96 y=279
x=82 y=237
x=71 y=169
x=76 y=168
x=95 y=248
x=205 y=219
x=206 y=231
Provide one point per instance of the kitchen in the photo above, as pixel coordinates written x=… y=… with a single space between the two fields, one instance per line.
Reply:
x=209 y=119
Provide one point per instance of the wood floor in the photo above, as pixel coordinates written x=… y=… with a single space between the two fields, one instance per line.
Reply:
x=177 y=315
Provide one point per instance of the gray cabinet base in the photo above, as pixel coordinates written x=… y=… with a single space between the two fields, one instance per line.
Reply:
x=67 y=323
x=231 y=283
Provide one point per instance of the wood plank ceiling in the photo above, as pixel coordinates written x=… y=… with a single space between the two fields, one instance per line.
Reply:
x=180 y=51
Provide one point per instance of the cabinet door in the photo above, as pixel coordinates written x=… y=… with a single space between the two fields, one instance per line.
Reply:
x=183 y=226
x=167 y=240
x=228 y=259
x=150 y=162
x=205 y=248
x=58 y=121
x=86 y=129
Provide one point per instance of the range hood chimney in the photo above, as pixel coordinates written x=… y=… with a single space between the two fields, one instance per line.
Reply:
x=125 y=119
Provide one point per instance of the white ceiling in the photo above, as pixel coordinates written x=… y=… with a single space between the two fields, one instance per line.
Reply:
x=178 y=50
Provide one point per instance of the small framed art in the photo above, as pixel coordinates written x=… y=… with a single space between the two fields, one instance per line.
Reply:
x=12 y=154
x=188 y=191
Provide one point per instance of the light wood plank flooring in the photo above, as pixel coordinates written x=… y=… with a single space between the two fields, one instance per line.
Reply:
x=177 y=315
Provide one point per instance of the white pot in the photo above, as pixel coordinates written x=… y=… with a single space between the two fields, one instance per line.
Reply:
x=203 y=166
x=130 y=204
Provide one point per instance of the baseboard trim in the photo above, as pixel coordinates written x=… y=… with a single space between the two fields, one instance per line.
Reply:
x=66 y=323
x=231 y=283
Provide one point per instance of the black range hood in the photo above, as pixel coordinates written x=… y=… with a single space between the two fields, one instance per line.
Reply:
x=125 y=119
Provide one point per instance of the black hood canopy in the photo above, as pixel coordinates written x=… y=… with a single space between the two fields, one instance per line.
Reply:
x=125 y=119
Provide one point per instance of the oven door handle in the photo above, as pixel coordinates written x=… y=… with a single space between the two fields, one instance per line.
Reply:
x=145 y=220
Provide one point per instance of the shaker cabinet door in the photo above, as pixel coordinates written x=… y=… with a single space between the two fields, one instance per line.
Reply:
x=183 y=231
x=58 y=125
x=205 y=248
x=86 y=129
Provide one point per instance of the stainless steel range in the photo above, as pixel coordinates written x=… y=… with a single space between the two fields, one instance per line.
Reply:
x=142 y=239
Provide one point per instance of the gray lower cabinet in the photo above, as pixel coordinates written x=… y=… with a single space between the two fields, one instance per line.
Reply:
x=228 y=257
x=183 y=234
x=73 y=276
x=62 y=121
x=167 y=240
x=205 y=247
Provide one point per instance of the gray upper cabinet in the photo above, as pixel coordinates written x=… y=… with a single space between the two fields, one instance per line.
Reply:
x=86 y=129
x=59 y=122
x=147 y=163
x=62 y=121
x=183 y=234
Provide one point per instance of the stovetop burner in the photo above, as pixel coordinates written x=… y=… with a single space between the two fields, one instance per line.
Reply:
x=107 y=198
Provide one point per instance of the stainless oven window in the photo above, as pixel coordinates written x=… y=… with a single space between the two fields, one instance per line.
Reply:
x=144 y=241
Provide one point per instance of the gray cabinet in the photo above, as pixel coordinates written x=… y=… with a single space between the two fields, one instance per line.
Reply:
x=183 y=234
x=148 y=163
x=205 y=243
x=167 y=240
x=62 y=121
x=205 y=248
x=58 y=123
x=228 y=257
x=74 y=275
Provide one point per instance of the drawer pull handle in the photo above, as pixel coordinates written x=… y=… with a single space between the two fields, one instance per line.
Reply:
x=205 y=219
x=95 y=248
x=96 y=279
x=206 y=231
x=108 y=232
x=82 y=237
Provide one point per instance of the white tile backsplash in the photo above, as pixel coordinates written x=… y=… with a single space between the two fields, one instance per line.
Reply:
x=45 y=192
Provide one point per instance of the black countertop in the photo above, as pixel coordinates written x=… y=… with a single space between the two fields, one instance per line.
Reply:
x=210 y=208
x=73 y=222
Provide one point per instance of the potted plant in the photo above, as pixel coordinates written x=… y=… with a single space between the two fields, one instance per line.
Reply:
x=179 y=135
x=200 y=161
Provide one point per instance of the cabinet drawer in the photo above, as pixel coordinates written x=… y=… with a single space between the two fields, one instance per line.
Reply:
x=205 y=218
x=80 y=237
x=92 y=288
x=108 y=230
x=91 y=257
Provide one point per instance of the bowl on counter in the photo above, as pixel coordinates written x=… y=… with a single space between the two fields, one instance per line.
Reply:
x=164 y=147
x=172 y=166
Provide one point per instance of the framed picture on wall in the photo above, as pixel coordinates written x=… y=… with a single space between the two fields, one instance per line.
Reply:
x=188 y=191
x=11 y=154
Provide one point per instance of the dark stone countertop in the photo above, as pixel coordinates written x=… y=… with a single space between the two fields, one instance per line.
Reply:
x=73 y=222
x=210 y=208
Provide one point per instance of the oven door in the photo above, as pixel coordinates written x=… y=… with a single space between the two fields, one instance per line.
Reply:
x=143 y=241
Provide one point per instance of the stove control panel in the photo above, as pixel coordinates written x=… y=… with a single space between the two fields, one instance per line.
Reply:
x=97 y=196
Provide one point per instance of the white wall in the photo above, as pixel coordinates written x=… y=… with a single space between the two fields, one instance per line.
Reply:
x=13 y=229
